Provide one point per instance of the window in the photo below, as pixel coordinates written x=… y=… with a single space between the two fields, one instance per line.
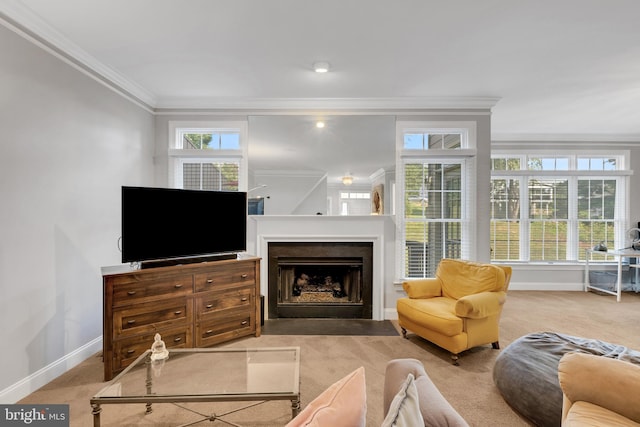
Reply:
x=432 y=140
x=210 y=139
x=207 y=174
x=550 y=208
x=355 y=203
x=436 y=176
x=208 y=155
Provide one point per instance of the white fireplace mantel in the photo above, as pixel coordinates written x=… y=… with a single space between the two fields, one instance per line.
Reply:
x=315 y=228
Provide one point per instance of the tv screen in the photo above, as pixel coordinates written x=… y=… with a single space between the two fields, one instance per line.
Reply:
x=166 y=223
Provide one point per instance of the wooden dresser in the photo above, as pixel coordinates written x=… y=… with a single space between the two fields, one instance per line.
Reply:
x=190 y=305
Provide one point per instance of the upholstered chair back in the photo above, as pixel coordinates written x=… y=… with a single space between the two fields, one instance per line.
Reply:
x=461 y=278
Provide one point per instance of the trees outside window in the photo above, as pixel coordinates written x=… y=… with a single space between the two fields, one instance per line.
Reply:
x=552 y=208
x=208 y=156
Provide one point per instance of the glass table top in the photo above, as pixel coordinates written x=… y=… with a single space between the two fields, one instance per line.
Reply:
x=208 y=372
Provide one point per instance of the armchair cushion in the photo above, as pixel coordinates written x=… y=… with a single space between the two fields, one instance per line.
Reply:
x=584 y=414
x=460 y=279
x=478 y=306
x=438 y=313
x=423 y=288
x=598 y=389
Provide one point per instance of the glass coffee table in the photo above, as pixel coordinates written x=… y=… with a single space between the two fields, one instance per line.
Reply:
x=207 y=375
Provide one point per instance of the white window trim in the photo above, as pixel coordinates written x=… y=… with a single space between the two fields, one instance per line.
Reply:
x=622 y=175
x=466 y=156
x=241 y=156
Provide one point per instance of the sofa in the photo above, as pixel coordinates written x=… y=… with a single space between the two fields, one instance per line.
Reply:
x=458 y=309
x=410 y=400
x=598 y=391
x=433 y=408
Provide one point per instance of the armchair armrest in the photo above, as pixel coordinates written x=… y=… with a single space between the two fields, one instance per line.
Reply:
x=609 y=383
x=480 y=305
x=423 y=288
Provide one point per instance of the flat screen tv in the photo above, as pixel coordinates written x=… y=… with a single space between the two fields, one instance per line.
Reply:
x=173 y=224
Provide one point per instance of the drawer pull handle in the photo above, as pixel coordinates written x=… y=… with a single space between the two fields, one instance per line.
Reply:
x=177 y=312
x=244 y=276
x=178 y=339
x=130 y=351
x=131 y=293
x=209 y=280
x=244 y=322
x=243 y=299
x=209 y=305
x=209 y=332
x=178 y=285
x=131 y=322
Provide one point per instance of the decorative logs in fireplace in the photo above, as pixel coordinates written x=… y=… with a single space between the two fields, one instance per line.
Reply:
x=325 y=280
x=320 y=279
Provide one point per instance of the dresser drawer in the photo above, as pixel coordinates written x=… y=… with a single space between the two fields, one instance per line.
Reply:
x=212 y=303
x=137 y=303
x=231 y=275
x=223 y=328
x=151 y=316
x=127 y=350
x=144 y=290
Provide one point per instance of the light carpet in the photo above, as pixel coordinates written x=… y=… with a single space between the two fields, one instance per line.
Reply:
x=325 y=359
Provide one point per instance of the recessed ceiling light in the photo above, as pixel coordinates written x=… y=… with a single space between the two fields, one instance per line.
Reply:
x=321 y=67
x=319 y=124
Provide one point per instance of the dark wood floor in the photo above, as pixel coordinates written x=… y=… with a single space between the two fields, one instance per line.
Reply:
x=285 y=326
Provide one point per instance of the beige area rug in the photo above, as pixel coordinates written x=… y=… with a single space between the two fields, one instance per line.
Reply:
x=325 y=359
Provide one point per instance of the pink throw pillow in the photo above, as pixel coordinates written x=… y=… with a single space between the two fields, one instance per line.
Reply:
x=343 y=404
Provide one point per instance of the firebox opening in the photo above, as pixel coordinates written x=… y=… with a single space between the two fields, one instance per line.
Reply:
x=337 y=282
x=320 y=279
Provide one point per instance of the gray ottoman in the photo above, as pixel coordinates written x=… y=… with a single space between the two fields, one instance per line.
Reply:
x=526 y=372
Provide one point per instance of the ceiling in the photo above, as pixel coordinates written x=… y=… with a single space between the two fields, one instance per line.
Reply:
x=550 y=70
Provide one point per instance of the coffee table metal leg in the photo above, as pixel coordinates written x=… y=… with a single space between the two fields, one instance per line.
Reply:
x=149 y=384
x=295 y=407
x=96 y=409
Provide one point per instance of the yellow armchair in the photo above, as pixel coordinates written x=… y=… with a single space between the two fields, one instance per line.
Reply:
x=599 y=391
x=458 y=309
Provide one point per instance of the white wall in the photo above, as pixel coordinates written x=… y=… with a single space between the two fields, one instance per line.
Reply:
x=292 y=193
x=67 y=145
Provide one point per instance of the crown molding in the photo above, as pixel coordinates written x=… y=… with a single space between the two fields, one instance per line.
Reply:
x=21 y=20
x=289 y=173
x=564 y=138
x=347 y=105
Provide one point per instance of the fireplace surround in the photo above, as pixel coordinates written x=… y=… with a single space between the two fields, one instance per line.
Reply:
x=320 y=279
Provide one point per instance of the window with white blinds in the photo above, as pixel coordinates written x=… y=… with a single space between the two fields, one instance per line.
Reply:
x=208 y=155
x=205 y=174
x=437 y=181
x=433 y=215
x=551 y=208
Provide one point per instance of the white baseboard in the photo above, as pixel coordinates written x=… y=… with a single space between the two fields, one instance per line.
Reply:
x=539 y=286
x=28 y=385
x=390 y=314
